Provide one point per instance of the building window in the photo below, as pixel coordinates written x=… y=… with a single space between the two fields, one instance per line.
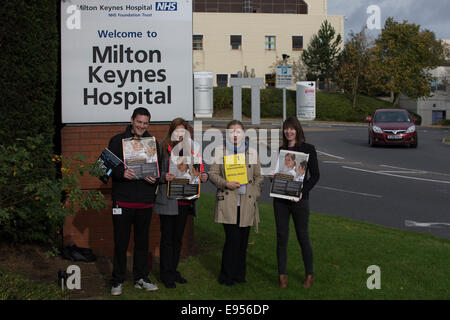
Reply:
x=297 y=42
x=222 y=80
x=197 y=42
x=302 y=7
x=438 y=85
x=236 y=42
x=249 y=6
x=270 y=43
x=269 y=79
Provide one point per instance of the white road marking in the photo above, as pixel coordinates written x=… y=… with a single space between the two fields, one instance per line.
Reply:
x=330 y=155
x=410 y=223
x=340 y=162
x=385 y=165
x=352 y=192
x=396 y=175
x=415 y=170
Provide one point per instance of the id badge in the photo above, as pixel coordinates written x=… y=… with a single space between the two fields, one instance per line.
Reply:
x=117 y=211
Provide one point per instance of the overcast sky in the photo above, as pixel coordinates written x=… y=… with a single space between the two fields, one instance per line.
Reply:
x=429 y=14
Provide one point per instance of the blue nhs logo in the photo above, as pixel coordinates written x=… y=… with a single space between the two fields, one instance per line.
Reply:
x=166 y=6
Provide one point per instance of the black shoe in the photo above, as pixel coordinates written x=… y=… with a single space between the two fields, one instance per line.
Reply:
x=180 y=279
x=170 y=285
x=240 y=280
x=226 y=282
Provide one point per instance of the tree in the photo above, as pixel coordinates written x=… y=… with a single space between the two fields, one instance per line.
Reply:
x=353 y=64
x=403 y=56
x=321 y=55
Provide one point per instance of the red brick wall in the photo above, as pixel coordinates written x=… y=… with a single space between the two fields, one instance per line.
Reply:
x=92 y=229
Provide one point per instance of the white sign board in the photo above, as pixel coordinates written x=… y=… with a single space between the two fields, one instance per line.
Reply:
x=119 y=55
x=284 y=77
x=306 y=100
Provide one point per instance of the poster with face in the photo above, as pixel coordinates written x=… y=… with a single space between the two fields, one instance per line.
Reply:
x=141 y=155
x=186 y=184
x=289 y=175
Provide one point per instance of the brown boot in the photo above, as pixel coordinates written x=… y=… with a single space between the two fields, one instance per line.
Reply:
x=309 y=280
x=283 y=281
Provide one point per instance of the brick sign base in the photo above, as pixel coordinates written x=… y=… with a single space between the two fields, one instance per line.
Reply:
x=92 y=229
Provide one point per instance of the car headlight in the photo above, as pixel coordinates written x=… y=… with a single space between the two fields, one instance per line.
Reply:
x=411 y=129
x=377 y=129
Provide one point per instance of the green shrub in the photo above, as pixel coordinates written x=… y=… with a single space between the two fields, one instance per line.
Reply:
x=445 y=122
x=28 y=77
x=271 y=100
x=329 y=106
x=28 y=60
x=33 y=206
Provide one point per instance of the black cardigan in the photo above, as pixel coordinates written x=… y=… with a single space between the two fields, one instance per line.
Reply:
x=312 y=171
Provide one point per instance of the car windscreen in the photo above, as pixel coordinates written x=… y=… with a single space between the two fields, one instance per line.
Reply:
x=388 y=116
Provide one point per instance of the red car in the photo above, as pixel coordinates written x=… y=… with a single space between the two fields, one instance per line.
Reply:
x=392 y=126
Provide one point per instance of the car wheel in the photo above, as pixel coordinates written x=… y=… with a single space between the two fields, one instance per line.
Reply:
x=414 y=145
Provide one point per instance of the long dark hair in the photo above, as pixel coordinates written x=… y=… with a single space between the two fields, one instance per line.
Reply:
x=168 y=138
x=293 y=123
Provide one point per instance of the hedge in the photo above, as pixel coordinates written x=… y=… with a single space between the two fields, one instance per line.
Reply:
x=29 y=43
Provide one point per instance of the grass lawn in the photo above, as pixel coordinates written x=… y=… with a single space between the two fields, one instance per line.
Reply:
x=413 y=265
x=18 y=287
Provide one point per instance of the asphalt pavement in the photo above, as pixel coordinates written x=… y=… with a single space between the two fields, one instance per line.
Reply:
x=397 y=187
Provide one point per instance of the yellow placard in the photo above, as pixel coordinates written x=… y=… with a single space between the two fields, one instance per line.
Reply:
x=235 y=168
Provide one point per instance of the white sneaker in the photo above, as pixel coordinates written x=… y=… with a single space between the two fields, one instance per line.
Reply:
x=145 y=284
x=116 y=289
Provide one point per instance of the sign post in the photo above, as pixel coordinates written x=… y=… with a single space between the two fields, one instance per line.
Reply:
x=284 y=80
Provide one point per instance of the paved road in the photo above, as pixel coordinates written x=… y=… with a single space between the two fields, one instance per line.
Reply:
x=391 y=186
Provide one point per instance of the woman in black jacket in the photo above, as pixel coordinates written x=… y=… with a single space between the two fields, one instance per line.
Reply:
x=294 y=140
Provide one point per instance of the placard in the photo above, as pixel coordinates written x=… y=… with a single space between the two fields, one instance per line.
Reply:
x=289 y=174
x=186 y=184
x=105 y=164
x=235 y=168
x=141 y=155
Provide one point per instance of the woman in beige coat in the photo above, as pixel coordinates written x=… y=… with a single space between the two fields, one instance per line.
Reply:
x=236 y=205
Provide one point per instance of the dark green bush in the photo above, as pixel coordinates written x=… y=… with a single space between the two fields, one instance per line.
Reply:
x=271 y=100
x=28 y=76
x=329 y=106
x=445 y=122
x=31 y=204
x=28 y=60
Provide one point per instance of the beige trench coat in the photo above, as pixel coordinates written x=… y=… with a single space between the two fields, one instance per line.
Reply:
x=225 y=210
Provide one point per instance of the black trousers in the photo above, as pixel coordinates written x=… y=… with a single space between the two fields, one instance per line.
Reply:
x=140 y=220
x=300 y=214
x=234 y=253
x=172 y=230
